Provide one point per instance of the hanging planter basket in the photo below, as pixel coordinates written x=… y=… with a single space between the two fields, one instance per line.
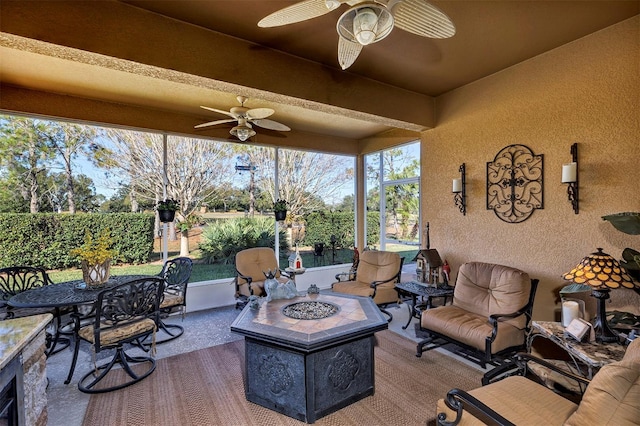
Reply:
x=281 y=215
x=96 y=275
x=166 y=215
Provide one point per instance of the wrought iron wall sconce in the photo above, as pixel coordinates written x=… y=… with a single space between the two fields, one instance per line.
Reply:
x=514 y=183
x=459 y=191
x=570 y=177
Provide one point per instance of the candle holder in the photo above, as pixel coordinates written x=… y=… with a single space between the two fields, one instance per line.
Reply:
x=459 y=191
x=570 y=177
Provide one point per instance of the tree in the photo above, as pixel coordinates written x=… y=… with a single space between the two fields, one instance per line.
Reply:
x=85 y=197
x=120 y=202
x=25 y=156
x=196 y=169
x=305 y=179
x=68 y=141
x=347 y=204
x=401 y=199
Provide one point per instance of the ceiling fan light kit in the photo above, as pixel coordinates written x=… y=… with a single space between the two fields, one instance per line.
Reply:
x=242 y=132
x=245 y=118
x=367 y=22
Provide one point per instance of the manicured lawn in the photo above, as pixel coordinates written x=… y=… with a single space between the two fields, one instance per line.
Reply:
x=200 y=272
x=205 y=272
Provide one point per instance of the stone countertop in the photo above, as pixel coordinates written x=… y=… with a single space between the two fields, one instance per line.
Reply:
x=15 y=334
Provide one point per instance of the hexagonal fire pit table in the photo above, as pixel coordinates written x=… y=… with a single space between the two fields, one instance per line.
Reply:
x=309 y=356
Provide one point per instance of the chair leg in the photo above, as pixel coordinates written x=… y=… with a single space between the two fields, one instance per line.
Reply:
x=74 y=360
x=387 y=313
x=122 y=358
x=173 y=331
x=422 y=346
x=56 y=338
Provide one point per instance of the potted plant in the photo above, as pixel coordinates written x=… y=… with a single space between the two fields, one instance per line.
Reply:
x=95 y=258
x=280 y=209
x=167 y=209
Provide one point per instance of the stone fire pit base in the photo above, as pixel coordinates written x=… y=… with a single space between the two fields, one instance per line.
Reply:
x=307 y=369
x=334 y=378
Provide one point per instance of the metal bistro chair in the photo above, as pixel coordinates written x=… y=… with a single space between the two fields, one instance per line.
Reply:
x=16 y=279
x=176 y=273
x=126 y=313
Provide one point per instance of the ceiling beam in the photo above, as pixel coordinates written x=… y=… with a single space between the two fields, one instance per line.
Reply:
x=124 y=32
x=51 y=105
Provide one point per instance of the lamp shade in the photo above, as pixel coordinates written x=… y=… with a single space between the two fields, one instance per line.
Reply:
x=600 y=271
x=242 y=132
x=365 y=23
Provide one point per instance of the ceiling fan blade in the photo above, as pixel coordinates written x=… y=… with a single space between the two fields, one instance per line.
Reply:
x=257 y=113
x=423 y=19
x=271 y=125
x=348 y=52
x=213 y=123
x=306 y=9
x=219 y=111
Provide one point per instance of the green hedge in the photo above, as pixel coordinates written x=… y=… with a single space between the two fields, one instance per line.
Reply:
x=320 y=226
x=45 y=239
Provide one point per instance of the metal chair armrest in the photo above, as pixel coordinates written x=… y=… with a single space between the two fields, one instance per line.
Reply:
x=459 y=401
x=530 y=358
x=345 y=276
x=495 y=318
x=285 y=273
x=244 y=277
x=375 y=284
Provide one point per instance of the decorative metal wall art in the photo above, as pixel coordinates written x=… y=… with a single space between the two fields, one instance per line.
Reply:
x=514 y=183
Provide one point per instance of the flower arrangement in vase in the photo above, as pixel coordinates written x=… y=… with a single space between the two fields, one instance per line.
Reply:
x=95 y=258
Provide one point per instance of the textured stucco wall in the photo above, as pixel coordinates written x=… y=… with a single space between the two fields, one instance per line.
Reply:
x=587 y=92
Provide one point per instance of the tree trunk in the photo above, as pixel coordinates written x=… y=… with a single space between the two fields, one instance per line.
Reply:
x=33 y=190
x=184 y=243
x=134 y=201
x=32 y=177
x=70 y=189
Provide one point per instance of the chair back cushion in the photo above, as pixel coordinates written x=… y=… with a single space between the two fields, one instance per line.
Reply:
x=613 y=396
x=486 y=289
x=377 y=266
x=254 y=261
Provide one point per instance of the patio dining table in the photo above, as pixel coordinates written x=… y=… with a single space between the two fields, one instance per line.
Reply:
x=67 y=294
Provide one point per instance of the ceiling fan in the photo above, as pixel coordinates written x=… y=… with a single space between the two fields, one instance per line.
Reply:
x=246 y=118
x=367 y=21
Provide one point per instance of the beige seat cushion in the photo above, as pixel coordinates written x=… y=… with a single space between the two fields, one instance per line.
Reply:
x=171 y=300
x=519 y=400
x=469 y=328
x=373 y=266
x=121 y=332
